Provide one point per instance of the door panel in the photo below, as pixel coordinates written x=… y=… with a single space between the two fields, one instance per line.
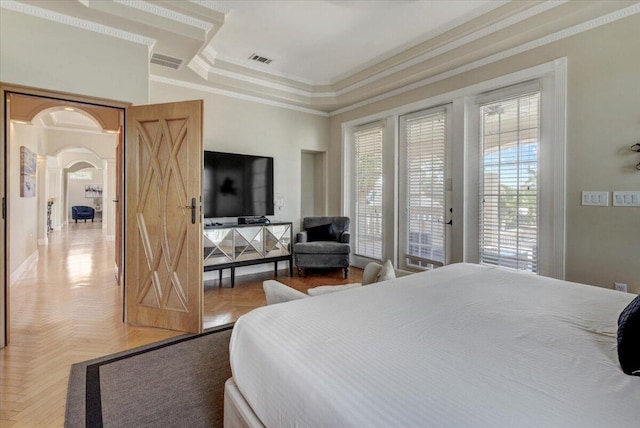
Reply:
x=164 y=252
x=118 y=207
x=4 y=293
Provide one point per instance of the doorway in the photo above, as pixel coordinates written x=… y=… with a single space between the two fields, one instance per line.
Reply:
x=19 y=107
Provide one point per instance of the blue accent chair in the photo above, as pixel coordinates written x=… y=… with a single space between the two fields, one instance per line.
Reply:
x=81 y=212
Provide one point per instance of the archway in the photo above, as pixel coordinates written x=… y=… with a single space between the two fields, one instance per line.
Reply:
x=39 y=113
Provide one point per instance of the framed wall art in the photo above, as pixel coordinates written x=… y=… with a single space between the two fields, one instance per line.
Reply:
x=93 y=191
x=27 y=173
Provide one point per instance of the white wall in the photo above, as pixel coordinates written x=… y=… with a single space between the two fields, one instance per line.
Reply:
x=76 y=190
x=103 y=145
x=307 y=201
x=238 y=126
x=67 y=159
x=70 y=59
x=55 y=191
x=22 y=212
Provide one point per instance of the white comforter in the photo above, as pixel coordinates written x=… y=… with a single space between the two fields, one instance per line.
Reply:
x=460 y=346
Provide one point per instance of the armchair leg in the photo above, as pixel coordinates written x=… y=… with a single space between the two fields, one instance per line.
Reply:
x=299 y=270
x=346 y=272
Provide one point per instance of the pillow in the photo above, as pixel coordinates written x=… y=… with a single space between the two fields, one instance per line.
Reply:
x=629 y=338
x=386 y=272
x=324 y=232
x=277 y=292
x=325 y=289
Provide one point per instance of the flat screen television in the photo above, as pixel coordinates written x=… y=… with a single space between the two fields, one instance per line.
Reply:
x=236 y=185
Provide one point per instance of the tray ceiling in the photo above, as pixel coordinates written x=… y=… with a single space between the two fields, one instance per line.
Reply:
x=321 y=56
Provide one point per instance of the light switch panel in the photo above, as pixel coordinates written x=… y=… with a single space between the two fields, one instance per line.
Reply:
x=626 y=198
x=595 y=198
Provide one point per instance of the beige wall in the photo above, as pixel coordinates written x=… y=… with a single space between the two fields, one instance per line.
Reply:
x=238 y=126
x=308 y=196
x=603 y=121
x=68 y=59
x=23 y=212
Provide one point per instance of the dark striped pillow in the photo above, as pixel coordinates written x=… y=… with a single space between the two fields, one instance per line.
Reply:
x=629 y=338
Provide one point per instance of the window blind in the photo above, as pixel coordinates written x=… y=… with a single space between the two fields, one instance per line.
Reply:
x=510 y=133
x=368 y=191
x=423 y=140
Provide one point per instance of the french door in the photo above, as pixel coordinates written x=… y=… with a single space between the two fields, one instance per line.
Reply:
x=424 y=199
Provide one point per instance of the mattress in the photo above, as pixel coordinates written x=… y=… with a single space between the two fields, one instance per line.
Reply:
x=463 y=345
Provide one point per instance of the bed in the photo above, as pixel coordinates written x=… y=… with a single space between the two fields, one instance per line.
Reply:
x=463 y=345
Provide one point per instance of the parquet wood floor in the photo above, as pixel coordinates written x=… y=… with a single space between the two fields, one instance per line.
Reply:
x=68 y=308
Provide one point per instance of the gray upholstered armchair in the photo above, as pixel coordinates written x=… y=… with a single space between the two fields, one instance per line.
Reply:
x=323 y=243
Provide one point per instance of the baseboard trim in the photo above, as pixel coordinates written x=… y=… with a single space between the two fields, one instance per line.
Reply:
x=25 y=267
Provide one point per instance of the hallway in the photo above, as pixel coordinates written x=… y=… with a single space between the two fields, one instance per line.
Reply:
x=66 y=309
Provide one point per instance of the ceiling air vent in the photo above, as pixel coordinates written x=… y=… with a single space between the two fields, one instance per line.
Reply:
x=166 y=61
x=256 y=57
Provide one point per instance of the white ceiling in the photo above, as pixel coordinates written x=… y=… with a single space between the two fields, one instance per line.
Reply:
x=313 y=44
x=328 y=56
x=323 y=41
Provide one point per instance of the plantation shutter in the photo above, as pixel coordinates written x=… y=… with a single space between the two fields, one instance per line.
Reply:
x=510 y=136
x=368 y=190
x=423 y=141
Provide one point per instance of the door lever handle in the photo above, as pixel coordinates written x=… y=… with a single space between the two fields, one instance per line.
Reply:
x=192 y=207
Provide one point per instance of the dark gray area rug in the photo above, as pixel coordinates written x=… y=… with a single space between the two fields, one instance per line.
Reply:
x=177 y=382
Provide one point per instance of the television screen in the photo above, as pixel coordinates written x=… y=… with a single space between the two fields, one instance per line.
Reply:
x=235 y=185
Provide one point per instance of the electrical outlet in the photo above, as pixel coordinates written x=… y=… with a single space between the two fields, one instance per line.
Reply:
x=620 y=286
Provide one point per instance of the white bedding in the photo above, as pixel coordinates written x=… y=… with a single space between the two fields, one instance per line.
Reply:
x=460 y=346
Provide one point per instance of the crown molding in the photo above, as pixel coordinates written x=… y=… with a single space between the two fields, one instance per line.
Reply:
x=271 y=85
x=224 y=92
x=559 y=35
x=447 y=47
x=202 y=62
x=579 y=28
x=263 y=69
x=166 y=13
x=425 y=38
x=213 y=5
x=200 y=67
x=76 y=22
x=68 y=129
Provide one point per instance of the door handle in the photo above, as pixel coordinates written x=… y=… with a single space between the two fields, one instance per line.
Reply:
x=192 y=207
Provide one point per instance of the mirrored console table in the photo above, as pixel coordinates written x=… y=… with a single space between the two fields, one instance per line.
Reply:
x=229 y=246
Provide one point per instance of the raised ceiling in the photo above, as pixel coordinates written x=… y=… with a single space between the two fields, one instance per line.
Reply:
x=323 y=42
x=326 y=56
